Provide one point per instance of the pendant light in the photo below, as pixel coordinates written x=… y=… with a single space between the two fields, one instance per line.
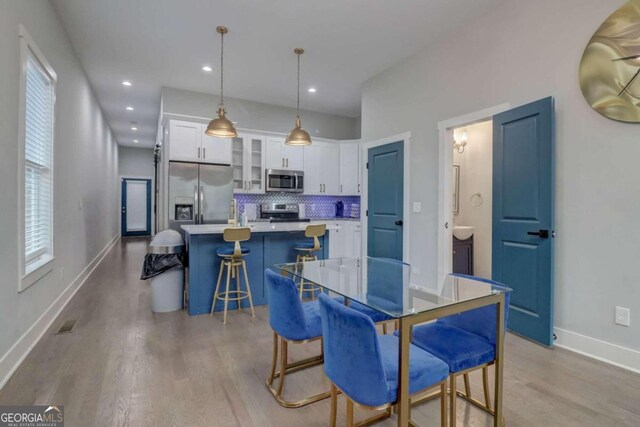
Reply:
x=221 y=127
x=298 y=136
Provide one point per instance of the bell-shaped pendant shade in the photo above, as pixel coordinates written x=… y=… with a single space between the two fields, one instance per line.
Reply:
x=221 y=127
x=298 y=136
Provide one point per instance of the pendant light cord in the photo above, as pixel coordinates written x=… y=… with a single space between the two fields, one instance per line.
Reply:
x=222 y=69
x=298 y=104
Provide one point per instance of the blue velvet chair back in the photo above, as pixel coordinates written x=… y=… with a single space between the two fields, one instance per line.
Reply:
x=381 y=272
x=286 y=315
x=481 y=321
x=352 y=357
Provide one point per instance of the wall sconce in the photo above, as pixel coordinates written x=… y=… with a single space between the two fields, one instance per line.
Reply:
x=460 y=140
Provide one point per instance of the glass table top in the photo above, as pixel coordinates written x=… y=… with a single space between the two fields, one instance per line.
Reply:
x=385 y=285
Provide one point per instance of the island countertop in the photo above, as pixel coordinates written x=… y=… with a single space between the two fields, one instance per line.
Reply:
x=256 y=227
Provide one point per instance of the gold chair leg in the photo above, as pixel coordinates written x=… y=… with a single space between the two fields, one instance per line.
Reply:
x=215 y=293
x=349 y=412
x=226 y=294
x=238 y=287
x=485 y=383
x=283 y=364
x=452 y=399
x=248 y=285
x=274 y=361
x=443 y=404
x=384 y=329
x=334 y=405
x=467 y=385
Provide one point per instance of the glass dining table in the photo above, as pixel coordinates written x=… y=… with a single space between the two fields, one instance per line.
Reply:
x=385 y=285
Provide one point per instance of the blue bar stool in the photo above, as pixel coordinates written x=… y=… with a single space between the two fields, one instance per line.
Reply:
x=232 y=260
x=307 y=251
x=364 y=365
x=466 y=342
x=293 y=322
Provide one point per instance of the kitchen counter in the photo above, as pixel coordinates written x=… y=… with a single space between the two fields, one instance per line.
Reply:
x=256 y=227
x=270 y=244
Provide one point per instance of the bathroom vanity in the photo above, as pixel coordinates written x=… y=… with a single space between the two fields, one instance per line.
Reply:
x=463 y=255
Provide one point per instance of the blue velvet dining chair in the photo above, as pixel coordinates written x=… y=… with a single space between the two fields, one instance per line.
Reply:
x=293 y=322
x=466 y=342
x=364 y=365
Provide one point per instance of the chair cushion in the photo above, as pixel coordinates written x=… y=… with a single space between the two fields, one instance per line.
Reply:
x=456 y=347
x=425 y=370
x=228 y=250
x=303 y=246
x=375 y=315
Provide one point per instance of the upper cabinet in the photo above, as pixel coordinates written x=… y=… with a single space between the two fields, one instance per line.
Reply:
x=188 y=143
x=282 y=156
x=349 y=169
x=248 y=163
x=322 y=168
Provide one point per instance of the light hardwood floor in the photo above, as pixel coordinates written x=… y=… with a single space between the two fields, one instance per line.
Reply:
x=123 y=365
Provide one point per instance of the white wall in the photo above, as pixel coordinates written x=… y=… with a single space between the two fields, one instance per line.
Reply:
x=85 y=176
x=476 y=177
x=134 y=162
x=259 y=116
x=520 y=52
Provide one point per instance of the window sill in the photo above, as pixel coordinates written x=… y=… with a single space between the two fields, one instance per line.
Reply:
x=36 y=272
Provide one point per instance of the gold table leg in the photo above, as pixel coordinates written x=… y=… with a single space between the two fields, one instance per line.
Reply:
x=403 y=374
x=498 y=366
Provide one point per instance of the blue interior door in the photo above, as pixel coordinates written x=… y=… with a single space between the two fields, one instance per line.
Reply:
x=136 y=207
x=523 y=205
x=385 y=206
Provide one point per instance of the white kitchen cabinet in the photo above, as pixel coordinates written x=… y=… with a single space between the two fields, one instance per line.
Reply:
x=188 y=143
x=322 y=169
x=185 y=140
x=336 y=241
x=345 y=241
x=215 y=150
x=282 y=156
x=248 y=163
x=349 y=169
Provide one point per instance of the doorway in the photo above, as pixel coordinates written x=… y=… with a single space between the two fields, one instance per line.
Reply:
x=385 y=173
x=509 y=203
x=136 y=207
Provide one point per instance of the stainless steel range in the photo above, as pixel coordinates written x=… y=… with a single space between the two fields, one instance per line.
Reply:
x=281 y=212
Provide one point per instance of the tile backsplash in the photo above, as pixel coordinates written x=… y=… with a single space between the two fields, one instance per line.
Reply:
x=316 y=207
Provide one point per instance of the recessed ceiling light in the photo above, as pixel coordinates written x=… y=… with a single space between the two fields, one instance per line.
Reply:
x=135 y=141
x=312 y=90
x=134 y=128
x=126 y=83
x=129 y=108
x=207 y=68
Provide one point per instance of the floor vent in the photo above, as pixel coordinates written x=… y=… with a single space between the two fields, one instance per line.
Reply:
x=67 y=327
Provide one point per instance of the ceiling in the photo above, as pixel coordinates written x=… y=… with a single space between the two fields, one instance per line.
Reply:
x=155 y=43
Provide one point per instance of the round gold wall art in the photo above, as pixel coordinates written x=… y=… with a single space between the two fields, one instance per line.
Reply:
x=610 y=66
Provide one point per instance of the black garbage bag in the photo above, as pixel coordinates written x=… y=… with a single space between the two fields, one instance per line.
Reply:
x=155 y=264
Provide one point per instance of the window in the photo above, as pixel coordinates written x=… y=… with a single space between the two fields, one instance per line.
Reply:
x=37 y=87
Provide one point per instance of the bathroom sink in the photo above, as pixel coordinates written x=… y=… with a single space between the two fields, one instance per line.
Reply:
x=463 y=232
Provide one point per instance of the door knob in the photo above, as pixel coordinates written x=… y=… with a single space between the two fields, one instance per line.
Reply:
x=543 y=234
x=399 y=222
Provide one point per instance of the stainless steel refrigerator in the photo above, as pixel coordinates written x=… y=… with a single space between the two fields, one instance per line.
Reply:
x=199 y=194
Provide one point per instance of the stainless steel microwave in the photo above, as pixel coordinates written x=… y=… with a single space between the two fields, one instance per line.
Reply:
x=284 y=181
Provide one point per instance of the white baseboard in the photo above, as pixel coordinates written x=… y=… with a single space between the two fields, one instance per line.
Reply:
x=12 y=359
x=603 y=351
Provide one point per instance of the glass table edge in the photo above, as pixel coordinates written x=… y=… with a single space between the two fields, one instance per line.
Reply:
x=392 y=314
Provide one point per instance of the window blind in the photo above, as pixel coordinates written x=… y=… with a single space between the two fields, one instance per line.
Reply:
x=38 y=157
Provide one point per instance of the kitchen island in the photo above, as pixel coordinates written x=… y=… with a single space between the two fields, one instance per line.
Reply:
x=270 y=243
